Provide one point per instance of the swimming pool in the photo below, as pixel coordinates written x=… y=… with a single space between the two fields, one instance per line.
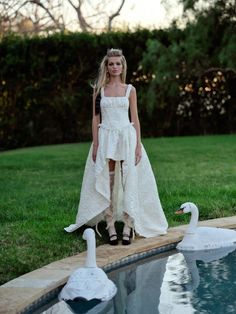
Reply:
x=169 y=282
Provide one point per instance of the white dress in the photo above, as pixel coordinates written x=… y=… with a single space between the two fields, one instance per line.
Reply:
x=135 y=191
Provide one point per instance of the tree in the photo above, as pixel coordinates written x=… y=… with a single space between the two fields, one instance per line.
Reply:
x=35 y=16
x=191 y=72
x=227 y=7
x=40 y=16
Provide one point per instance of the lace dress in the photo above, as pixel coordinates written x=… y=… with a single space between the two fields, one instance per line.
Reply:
x=135 y=191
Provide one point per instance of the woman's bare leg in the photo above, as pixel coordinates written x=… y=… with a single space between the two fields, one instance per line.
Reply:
x=109 y=213
x=128 y=221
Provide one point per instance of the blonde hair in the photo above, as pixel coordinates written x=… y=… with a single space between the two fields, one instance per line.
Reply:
x=103 y=77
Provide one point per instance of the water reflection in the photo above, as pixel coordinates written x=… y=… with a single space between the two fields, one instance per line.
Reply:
x=206 y=256
x=139 y=287
x=190 y=283
x=184 y=282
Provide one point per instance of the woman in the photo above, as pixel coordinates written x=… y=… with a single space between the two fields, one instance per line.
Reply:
x=118 y=181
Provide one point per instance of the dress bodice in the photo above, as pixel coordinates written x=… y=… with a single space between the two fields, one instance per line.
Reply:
x=115 y=110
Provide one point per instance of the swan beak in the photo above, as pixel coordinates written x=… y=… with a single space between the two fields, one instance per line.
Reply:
x=179 y=211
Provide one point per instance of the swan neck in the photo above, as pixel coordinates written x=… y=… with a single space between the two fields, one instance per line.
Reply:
x=193 y=221
x=91 y=252
x=192 y=267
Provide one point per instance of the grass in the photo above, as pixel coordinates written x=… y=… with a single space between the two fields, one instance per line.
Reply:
x=40 y=189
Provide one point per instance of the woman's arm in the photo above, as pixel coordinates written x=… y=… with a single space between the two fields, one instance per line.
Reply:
x=95 y=123
x=135 y=120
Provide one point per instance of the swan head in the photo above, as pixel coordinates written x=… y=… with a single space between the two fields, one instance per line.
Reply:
x=187 y=207
x=88 y=233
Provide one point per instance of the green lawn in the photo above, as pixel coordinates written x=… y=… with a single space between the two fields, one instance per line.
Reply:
x=40 y=192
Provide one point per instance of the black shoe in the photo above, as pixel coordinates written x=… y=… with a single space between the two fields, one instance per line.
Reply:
x=126 y=241
x=113 y=241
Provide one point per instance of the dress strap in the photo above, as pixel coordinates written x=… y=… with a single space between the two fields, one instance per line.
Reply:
x=128 y=90
x=102 y=91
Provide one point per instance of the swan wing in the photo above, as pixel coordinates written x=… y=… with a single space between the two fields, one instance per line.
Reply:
x=217 y=237
x=88 y=283
x=207 y=238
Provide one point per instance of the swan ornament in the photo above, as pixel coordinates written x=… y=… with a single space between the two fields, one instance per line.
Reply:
x=89 y=282
x=203 y=238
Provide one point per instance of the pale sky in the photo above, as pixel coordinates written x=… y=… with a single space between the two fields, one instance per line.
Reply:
x=149 y=13
x=144 y=13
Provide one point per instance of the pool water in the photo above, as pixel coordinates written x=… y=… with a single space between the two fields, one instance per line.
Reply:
x=183 y=282
x=170 y=283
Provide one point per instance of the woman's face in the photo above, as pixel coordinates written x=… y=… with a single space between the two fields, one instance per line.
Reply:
x=114 y=66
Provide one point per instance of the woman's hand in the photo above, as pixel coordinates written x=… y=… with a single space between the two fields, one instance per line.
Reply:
x=138 y=154
x=94 y=153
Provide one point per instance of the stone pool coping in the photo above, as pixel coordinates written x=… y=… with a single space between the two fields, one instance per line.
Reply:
x=19 y=293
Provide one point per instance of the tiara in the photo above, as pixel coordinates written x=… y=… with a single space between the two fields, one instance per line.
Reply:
x=114 y=52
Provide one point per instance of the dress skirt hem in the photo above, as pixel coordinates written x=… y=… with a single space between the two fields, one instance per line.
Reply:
x=134 y=193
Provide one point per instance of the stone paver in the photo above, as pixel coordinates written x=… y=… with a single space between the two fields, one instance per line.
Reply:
x=18 y=293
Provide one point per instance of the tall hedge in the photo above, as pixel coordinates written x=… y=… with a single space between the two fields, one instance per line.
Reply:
x=45 y=86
